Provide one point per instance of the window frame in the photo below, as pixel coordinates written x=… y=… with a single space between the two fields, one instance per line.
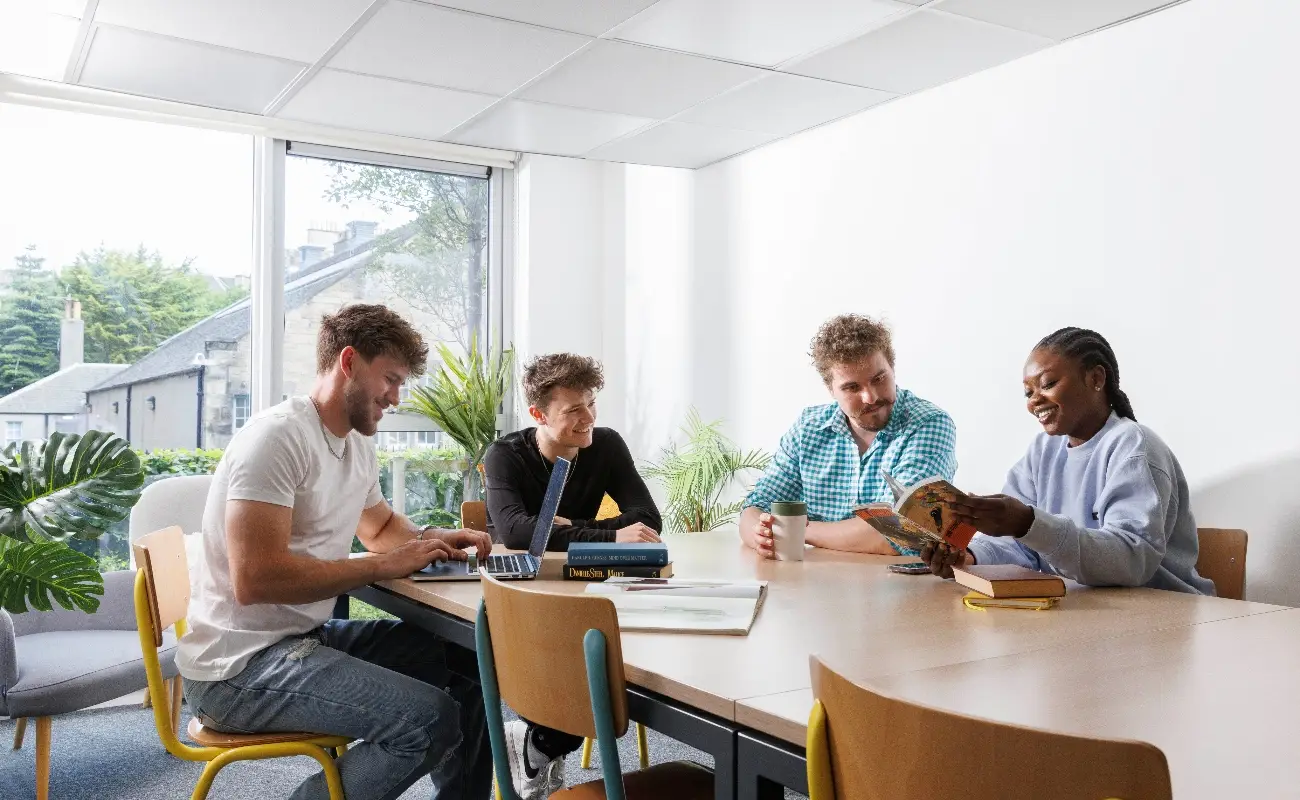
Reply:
x=266 y=344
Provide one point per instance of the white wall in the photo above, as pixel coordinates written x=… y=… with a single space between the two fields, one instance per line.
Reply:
x=603 y=259
x=1139 y=181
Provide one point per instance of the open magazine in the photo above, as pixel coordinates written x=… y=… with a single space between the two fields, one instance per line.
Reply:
x=918 y=516
x=683 y=605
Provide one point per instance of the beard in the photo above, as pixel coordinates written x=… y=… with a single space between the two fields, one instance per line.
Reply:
x=358 y=406
x=868 y=420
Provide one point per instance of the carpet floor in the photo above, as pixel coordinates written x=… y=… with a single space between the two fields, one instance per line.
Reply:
x=114 y=754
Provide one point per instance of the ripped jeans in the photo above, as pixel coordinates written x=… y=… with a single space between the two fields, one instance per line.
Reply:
x=412 y=699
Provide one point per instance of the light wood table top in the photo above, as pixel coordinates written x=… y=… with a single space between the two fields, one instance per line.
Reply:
x=1218 y=698
x=849 y=609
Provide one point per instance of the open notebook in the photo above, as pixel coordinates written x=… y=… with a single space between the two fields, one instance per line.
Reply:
x=684 y=605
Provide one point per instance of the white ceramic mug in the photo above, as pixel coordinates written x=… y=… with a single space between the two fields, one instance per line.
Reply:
x=789 y=525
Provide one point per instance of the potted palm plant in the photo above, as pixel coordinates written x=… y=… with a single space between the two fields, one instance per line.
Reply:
x=68 y=486
x=464 y=400
x=697 y=473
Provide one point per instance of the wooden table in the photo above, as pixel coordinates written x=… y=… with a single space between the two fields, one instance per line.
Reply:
x=848 y=609
x=1218 y=698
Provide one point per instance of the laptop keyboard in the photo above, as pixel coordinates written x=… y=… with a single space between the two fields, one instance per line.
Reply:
x=509 y=564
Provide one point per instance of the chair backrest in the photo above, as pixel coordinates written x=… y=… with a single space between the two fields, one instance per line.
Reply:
x=1223 y=560
x=540 y=657
x=161 y=556
x=473 y=515
x=162 y=597
x=880 y=747
x=171 y=501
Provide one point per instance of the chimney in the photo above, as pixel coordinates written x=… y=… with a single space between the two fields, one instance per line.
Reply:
x=309 y=254
x=72 y=335
x=360 y=232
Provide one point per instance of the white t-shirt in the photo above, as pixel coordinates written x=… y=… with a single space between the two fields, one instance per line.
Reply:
x=282 y=456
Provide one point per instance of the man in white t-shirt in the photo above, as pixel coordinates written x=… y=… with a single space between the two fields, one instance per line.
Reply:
x=293 y=488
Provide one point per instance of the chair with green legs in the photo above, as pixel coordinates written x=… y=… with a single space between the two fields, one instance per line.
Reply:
x=557 y=660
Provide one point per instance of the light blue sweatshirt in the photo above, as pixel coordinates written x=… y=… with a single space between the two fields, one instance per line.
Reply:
x=1113 y=511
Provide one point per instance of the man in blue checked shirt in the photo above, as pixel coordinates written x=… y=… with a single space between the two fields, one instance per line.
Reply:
x=835 y=455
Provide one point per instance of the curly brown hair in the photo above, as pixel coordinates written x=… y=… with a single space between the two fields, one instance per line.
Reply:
x=560 y=371
x=371 y=330
x=847 y=339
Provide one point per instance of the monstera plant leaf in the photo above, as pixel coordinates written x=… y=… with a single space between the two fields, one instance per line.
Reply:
x=67 y=486
x=33 y=574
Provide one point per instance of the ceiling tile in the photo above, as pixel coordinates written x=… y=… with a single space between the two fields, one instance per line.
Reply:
x=36 y=43
x=437 y=46
x=362 y=102
x=68 y=8
x=157 y=66
x=763 y=32
x=918 y=51
x=675 y=144
x=783 y=104
x=543 y=128
x=1055 y=19
x=590 y=17
x=299 y=30
x=636 y=80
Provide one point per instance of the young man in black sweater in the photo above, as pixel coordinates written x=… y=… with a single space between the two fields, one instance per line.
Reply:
x=561 y=392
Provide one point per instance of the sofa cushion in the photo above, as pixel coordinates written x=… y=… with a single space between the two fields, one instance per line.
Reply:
x=64 y=671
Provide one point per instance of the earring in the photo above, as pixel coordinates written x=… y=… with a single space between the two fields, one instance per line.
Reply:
x=1099 y=388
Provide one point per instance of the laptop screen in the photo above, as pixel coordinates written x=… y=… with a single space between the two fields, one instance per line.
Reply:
x=550 y=504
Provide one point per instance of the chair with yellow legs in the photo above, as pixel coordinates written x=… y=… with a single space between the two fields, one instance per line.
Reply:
x=162 y=598
x=866 y=745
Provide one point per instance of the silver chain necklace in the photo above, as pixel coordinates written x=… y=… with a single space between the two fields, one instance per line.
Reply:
x=325 y=434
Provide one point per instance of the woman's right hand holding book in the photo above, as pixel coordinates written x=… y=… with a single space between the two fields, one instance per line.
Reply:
x=943 y=557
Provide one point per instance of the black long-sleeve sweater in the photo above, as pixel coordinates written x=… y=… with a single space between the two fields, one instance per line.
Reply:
x=516 y=474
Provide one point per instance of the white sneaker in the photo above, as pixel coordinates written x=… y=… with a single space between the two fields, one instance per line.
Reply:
x=531 y=783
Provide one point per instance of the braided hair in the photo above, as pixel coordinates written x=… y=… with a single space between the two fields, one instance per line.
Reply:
x=1091 y=349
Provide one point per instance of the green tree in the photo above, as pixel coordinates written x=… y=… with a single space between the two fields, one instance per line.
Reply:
x=132 y=301
x=441 y=266
x=29 y=324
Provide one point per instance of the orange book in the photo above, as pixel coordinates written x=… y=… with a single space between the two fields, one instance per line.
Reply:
x=1008 y=580
x=918 y=516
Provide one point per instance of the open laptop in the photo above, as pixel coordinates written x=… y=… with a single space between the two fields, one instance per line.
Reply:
x=521 y=567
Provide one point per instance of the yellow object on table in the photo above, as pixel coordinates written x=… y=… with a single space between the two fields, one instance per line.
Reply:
x=979 y=602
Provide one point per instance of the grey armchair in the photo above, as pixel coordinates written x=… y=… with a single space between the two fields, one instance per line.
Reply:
x=53 y=662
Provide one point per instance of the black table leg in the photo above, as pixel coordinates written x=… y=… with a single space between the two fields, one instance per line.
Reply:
x=765 y=767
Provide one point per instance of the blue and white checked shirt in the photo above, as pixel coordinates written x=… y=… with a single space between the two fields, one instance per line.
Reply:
x=818 y=462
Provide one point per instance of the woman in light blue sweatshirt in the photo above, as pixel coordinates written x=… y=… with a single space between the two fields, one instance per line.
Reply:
x=1098 y=498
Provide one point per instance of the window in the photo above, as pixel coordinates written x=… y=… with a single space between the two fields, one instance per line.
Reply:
x=149 y=227
x=414 y=236
x=240 y=408
x=13 y=432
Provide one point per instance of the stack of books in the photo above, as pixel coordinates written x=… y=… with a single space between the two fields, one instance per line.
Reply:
x=597 y=561
x=1009 y=586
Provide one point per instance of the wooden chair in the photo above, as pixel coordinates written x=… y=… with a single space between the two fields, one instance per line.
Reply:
x=473 y=515
x=865 y=745
x=561 y=665
x=608 y=510
x=162 y=599
x=1223 y=560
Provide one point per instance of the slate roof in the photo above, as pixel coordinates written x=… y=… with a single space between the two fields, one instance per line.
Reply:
x=64 y=392
x=176 y=356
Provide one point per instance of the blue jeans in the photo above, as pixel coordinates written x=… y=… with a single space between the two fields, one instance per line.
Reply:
x=412 y=699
